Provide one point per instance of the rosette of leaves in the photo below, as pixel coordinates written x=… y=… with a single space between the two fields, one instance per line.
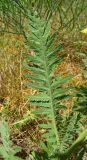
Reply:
x=50 y=88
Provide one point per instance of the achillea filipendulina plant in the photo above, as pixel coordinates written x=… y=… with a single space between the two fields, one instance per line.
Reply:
x=61 y=130
x=59 y=140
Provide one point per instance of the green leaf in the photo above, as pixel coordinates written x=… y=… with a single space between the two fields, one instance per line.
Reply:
x=51 y=89
x=35 y=70
x=37 y=86
x=51 y=39
x=60 y=92
x=42 y=111
x=85 y=62
x=3 y=152
x=44 y=147
x=41 y=104
x=39 y=78
x=60 y=81
x=55 y=61
x=32 y=58
x=55 y=51
x=39 y=97
x=6 y=149
x=46 y=126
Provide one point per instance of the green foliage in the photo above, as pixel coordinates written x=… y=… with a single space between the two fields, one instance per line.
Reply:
x=7 y=151
x=82 y=90
x=26 y=117
x=82 y=99
x=59 y=130
x=58 y=140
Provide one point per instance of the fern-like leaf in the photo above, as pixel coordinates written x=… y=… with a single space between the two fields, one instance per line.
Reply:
x=41 y=77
